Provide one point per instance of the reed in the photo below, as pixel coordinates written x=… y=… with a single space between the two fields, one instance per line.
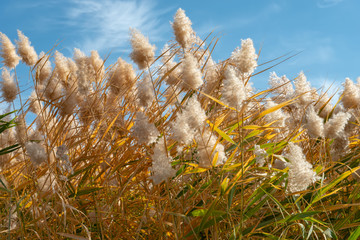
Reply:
x=177 y=146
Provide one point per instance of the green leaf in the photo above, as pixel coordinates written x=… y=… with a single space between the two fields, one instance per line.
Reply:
x=231 y=197
x=9 y=149
x=198 y=212
x=275 y=201
x=355 y=235
x=321 y=193
x=298 y=216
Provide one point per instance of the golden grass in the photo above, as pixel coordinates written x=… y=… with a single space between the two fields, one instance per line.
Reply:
x=107 y=192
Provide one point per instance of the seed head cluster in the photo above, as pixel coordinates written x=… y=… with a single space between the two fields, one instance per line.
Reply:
x=170 y=143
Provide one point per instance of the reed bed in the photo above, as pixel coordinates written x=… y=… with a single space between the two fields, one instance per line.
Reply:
x=174 y=146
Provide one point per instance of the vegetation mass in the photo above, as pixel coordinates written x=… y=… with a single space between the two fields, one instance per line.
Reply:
x=176 y=146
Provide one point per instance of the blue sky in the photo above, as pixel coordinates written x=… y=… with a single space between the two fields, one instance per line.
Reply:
x=326 y=31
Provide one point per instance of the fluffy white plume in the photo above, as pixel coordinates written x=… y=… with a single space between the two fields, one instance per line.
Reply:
x=8 y=86
x=245 y=57
x=301 y=174
x=207 y=148
x=36 y=152
x=188 y=121
x=351 y=94
x=314 y=123
x=25 y=50
x=145 y=132
x=191 y=74
x=161 y=166
x=145 y=92
x=260 y=155
x=143 y=52
x=182 y=29
x=233 y=91
x=334 y=127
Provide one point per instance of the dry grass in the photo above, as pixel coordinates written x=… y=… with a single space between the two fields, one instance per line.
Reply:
x=99 y=181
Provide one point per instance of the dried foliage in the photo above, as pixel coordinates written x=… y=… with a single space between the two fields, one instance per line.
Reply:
x=182 y=148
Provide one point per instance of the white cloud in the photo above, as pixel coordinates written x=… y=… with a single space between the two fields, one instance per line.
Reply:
x=323 y=54
x=328 y=3
x=232 y=23
x=315 y=48
x=104 y=25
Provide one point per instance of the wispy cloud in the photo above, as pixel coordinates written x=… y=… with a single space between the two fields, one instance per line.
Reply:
x=328 y=3
x=92 y=24
x=104 y=25
x=324 y=53
x=263 y=13
x=314 y=47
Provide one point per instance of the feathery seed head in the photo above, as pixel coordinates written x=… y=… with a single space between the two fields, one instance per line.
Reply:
x=188 y=121
x=35 y=135
x=181 y=131
x=324 y=105
x=303 y=88
x=145 y=91
x=182 y=29
x=233 y=91
x=54 y=88
x=97 y=63
x=212 y=76
x=86 y=73
x=145 y=132
x=122 y=77
x=208 y=147
x=191 y=73
x=36 y=152
x=35 y=105
x=278 y=117
x=314 y=123
x=351 y=94
x=260 y=155
x=25 y=50
x=64 y=164
x=301 y=174
x=21 y=129
x=169 y=67
x=61 y=66
x=8 y=86
x=69 y=103
x=161 y=164
x=195 y=113
x=245 y=57
x=8 y=52
x=335 y=126
x=143 y=52
x=43 y=69
x=282 y=86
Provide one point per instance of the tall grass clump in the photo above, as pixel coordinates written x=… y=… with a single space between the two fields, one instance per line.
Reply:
x=176 y=146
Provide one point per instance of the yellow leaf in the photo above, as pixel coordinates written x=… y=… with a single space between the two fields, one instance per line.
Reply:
x=218 y=101
x=221 y=133
x=215 y=159
x=274 y=108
